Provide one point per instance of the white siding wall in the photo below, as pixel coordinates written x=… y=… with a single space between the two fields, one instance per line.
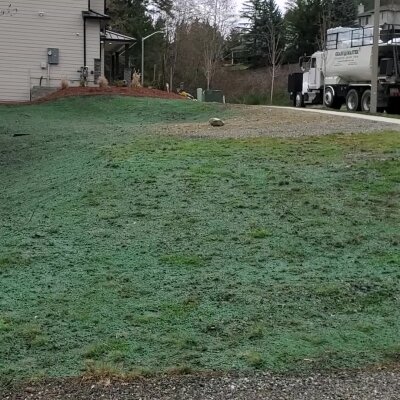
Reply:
x=25 y=37
x=97 y=5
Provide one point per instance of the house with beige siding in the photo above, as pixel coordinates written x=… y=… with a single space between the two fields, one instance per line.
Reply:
x=389 y=14
x=46 y=41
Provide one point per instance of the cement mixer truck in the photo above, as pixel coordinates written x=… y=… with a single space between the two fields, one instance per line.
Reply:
x=342 y=73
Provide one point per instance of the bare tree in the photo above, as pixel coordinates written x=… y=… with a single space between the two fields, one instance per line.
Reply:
x=213 y=43
x=218 y=14
x=196 y=32
x=275 y=49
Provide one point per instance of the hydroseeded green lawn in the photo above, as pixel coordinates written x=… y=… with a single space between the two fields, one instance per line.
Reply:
x=122 y=250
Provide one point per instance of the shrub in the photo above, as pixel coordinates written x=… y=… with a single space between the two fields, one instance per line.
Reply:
x=103 y=82
x=64 y=84
x=136 y=79
x=120 y=83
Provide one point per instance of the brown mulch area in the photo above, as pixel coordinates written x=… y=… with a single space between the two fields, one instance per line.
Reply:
x=97 y=91
x=120 y=91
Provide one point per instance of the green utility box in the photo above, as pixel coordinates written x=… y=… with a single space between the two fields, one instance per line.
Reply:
x=215 y=96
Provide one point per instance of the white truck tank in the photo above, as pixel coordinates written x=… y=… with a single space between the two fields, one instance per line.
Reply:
x=348 y=54
x=351 y=65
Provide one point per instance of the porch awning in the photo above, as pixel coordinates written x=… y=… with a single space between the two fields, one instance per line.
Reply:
x=116 y=42
x=111 y=36
x=94 y=15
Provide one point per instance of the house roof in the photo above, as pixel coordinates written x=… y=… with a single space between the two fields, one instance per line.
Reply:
x=111 y=36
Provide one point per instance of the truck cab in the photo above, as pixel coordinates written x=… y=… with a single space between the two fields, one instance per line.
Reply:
x=305 y=87
x=312 y=68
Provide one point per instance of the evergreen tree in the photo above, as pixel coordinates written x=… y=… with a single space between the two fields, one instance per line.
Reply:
x=303 y=27
x=339 y=12
x=129 y=17
x=262 y=15
x=308 y=20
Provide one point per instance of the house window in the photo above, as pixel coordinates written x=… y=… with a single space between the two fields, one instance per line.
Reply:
x=366 y=20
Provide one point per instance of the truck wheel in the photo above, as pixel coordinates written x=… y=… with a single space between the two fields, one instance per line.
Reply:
x=299 y=100
x=330 y=100
x=353 y=101
x=366 y=101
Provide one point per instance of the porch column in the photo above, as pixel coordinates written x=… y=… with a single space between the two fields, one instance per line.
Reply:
x=127 y=70
x=112 y=67
x=117 y=65
x=126 y=56
x=102 y=59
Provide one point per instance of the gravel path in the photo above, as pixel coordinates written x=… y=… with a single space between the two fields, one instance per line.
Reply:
x=255 y=121
x=380 y=385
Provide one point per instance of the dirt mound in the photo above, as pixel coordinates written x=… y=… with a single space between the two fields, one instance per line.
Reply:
x=121 y=91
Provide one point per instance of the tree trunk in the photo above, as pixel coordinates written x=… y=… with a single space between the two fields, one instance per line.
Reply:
x=272 y=83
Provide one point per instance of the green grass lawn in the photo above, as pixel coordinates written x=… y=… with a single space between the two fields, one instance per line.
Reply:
x=124 y=250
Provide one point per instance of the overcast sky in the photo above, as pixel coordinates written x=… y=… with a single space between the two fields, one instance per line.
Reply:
x=281 y=4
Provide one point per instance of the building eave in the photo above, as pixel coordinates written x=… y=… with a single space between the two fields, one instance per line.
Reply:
x=111 y=36
x=95 y=15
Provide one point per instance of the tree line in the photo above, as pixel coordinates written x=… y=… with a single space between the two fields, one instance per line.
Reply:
x=199 y=34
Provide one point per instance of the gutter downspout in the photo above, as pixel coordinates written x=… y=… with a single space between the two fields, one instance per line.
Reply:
x=84 y=42
x=84 y=37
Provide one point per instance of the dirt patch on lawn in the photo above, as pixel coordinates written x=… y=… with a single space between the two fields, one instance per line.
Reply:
x=256 y=121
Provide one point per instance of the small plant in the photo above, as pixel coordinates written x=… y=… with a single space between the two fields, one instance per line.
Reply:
x=64 y=84
x=256 y=332
x=101 y=370
x=259 y=233
x=136 y=77
x=103 y=82
x=179 y=370
x=254 y=359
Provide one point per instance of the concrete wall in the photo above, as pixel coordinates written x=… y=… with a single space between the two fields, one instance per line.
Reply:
x=27 y=29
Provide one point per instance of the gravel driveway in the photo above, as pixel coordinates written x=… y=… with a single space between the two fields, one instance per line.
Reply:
x=255 y=121
x=380 y=385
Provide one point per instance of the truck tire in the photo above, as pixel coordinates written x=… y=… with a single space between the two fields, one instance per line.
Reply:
x=366 y=101
x=331 y=100
x=353 y=101
x=299 y=100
